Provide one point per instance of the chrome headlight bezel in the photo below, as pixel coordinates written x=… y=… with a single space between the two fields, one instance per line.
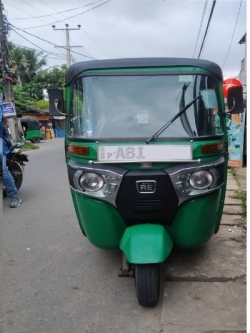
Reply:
x=180 y=175
x=88 y=175
x=112 y=180
x=208 y=175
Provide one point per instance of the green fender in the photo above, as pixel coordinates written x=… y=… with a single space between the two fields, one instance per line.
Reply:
x=146 y=244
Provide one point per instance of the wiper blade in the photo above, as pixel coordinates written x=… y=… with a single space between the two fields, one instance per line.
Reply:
x=172 y=120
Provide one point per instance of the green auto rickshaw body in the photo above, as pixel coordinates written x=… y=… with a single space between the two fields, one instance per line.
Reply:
x=32 y=129
x=144 y=224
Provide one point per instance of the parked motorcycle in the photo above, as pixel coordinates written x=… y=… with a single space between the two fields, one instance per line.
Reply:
x=15 y=163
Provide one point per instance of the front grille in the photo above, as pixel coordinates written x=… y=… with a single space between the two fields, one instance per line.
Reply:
x=137 y=207
x=147 y=205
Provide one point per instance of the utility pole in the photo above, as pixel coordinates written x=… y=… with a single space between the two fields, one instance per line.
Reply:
x=67 y=30
x=7 y=74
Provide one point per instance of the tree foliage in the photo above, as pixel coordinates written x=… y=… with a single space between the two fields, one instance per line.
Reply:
x=41 y=104
x=45 y=80
x=22 y=99
x=26 y=62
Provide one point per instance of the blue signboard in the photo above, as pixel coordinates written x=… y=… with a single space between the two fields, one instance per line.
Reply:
x=8 y=109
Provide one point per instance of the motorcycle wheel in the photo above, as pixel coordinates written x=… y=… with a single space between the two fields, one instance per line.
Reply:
x=147 y=284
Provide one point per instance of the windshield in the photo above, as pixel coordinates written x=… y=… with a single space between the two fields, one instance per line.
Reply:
x=136 y=107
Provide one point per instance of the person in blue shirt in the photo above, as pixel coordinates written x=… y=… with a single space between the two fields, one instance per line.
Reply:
x=8 y=181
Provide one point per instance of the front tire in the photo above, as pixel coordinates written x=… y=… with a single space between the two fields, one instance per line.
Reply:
x=147 y=284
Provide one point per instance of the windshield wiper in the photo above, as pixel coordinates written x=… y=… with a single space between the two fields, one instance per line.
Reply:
x=172 y=120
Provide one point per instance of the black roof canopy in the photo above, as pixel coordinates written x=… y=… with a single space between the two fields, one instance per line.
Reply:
x=79 y=67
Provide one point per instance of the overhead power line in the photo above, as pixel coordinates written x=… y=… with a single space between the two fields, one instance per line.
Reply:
x=84 y=40
x=198 y=36
x=44 y=40
x=208 y=23
x=32 y=48
x=232 y=35
x=64 y=11
x=57 y=54
x=29 y=14
x=44 y=25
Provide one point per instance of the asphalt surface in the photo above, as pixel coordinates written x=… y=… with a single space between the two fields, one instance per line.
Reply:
x=53 y=280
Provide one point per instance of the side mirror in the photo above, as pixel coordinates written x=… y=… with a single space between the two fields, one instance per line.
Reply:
x=56 y=103
x=235 y=100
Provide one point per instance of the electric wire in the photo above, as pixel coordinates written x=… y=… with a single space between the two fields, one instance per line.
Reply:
x=59 y=14
x=201 y=23
x=79 y=34
x=208 y=23
x=51 y=14
x=31 y=16
x=44 y=40
x=63 y=15
x=38 y=46
x=25 y=12
x=232 y=35
x=32 y=48
x=35 y=17
x=44 y=25
x=17 y=8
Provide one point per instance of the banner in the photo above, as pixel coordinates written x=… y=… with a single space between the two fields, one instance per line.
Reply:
x=235 y=131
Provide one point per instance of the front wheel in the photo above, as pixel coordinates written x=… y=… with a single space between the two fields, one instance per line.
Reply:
x=147 y=284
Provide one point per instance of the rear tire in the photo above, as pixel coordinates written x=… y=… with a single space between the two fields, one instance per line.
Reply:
x=147 y=284
x=35 y=140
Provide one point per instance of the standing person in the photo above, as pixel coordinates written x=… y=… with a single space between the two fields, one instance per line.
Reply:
x=43 y=130
x=8 y=181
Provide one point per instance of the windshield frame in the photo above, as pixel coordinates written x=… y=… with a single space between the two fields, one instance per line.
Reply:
x=146 y=72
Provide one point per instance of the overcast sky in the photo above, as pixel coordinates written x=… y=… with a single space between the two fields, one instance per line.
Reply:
x=132 y=28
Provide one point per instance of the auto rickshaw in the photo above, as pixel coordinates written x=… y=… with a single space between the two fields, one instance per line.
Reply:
x=146 y=153
x=31 y=128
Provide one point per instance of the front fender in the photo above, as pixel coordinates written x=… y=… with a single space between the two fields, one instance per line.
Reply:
x=146 y=244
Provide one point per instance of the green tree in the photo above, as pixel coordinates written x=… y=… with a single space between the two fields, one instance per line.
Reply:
x=25 y=62
x=41 y=104
x=22 y=99
x=34 y=62
x=18 y=61
x=44 y=80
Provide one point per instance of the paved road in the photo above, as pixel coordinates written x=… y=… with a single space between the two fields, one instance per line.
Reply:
x=53 y=280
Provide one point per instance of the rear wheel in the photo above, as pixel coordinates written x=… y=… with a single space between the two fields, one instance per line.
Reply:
x=147 y=284
x=35 y=140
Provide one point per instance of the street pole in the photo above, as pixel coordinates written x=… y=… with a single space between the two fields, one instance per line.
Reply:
x=68 y=47
x=7 y=74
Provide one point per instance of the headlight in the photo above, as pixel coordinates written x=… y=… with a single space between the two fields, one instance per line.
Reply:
x=201 y=180
x=91 y=182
